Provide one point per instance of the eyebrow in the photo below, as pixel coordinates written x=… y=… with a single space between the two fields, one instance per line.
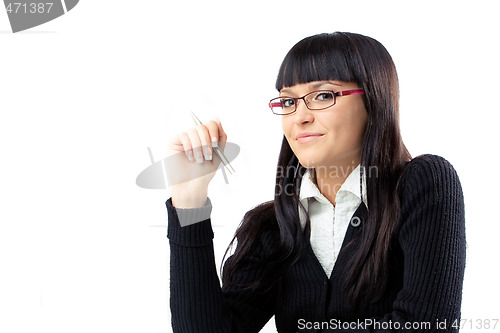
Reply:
x=313 y=86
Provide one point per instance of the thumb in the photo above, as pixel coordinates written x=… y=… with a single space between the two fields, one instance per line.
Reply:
x=222 y=133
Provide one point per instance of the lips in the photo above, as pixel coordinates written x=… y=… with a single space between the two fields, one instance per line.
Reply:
x=306 y=134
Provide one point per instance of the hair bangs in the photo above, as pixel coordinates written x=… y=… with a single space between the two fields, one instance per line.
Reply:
x=317 y=58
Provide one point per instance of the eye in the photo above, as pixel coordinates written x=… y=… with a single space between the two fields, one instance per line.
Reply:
x=323 y=96
x=287 y=102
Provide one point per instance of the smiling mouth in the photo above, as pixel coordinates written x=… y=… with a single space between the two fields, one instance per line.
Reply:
x=309 y=138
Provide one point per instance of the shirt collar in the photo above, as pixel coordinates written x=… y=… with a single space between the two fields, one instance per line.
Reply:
x=308 y=188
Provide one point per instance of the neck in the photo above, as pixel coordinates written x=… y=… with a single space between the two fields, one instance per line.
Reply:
x=330 y=178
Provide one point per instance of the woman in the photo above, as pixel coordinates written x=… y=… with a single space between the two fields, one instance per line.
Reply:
x=359 y=236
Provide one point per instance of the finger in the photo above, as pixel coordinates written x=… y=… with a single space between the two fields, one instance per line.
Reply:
x=213 y=130
x=222 y=135
x=205 y=141
x=186 y=145
x=196 y=144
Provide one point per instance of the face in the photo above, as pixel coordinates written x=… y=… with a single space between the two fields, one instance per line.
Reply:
x=330 y=136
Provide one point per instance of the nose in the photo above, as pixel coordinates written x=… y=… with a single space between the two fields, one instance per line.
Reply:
x=302 y=113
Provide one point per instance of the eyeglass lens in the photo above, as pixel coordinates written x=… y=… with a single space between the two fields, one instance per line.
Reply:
x=315 y=100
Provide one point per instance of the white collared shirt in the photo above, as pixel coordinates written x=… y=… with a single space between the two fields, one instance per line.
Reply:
x=329 y=223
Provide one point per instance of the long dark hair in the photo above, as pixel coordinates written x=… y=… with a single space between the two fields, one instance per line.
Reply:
x=346 y=57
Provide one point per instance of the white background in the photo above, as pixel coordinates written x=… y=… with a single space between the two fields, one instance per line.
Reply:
x=83 y=249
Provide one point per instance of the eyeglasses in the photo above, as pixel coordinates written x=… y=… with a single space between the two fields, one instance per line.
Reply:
x=316 y=100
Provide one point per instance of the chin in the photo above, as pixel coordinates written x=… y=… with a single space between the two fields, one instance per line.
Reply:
x=310 y=161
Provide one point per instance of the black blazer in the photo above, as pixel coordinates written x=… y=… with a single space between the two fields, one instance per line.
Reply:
x=425 y=284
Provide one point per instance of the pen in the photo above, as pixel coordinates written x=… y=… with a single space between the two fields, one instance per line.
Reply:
x=215 y=149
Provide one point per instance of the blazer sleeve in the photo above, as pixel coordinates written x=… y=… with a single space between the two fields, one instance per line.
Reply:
x=432 y=238
x=198 y=302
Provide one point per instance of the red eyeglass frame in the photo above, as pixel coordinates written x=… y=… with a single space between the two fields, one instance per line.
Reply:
x=335 y=94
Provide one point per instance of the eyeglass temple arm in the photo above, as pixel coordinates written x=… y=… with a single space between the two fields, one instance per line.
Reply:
x=350 y=92
x=274 y=104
